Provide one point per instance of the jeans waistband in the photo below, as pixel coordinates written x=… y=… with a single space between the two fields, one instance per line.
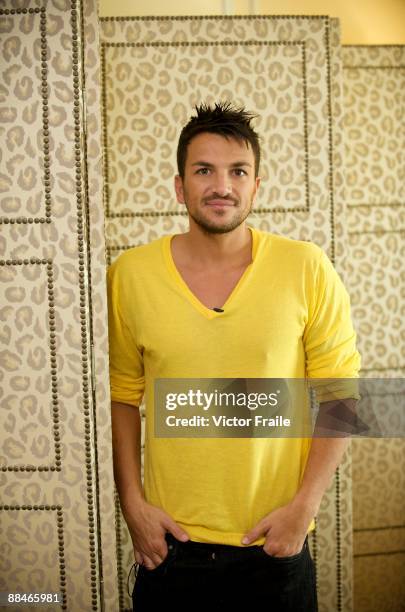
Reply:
x=171 y=540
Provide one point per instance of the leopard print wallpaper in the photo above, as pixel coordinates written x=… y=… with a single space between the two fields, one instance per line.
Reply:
x=374 y=102
x=57 y=502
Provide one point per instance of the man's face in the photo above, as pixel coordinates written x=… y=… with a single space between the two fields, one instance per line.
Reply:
x=219 y=182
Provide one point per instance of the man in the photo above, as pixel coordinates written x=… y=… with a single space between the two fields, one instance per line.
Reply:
x=222 y=522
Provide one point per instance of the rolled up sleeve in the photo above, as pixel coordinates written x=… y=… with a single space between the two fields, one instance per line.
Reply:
x=127 y=381
x=329 y=337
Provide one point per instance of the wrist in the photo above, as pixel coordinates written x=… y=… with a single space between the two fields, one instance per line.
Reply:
x=131 y=501
x=307 y=507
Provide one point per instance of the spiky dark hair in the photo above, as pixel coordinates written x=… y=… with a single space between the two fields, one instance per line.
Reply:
x=223 y=119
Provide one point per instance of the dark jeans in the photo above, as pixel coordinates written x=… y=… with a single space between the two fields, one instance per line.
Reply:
x=207 y=577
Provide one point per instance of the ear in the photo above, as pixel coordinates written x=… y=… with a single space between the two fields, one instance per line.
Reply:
x=178 y=187
x=257 y=185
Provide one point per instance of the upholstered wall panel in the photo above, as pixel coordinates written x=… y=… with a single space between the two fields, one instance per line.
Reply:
x=55 y=454
x=97 y=306
x=374 y=85
x=287 y=69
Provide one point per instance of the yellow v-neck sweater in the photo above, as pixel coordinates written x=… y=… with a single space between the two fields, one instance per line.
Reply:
x=288 y=317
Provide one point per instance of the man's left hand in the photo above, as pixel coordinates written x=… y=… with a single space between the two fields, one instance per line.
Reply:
x=284 y=529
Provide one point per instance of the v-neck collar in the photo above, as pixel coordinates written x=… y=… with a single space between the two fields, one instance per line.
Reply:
x=180 y=282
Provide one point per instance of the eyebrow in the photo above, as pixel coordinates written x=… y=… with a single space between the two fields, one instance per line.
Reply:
x=234 y=165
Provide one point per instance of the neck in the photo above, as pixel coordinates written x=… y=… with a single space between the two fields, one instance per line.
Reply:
x=213 y=250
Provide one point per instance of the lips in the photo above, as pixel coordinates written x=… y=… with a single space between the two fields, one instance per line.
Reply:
x=219 y=203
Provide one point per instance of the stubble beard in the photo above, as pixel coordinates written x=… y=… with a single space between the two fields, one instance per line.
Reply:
x=210 y=227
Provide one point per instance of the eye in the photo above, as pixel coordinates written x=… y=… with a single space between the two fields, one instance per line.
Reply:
x=203 y=171
x=240 y=172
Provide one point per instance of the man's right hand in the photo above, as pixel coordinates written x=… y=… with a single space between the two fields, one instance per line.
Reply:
x=148 y=525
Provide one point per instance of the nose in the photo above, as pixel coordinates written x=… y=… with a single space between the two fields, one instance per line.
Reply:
x=222 y=184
